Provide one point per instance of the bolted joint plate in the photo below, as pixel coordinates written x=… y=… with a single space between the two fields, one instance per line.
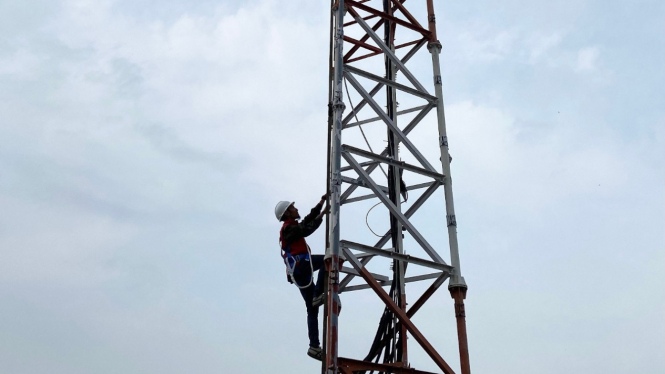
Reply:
x=433 y=47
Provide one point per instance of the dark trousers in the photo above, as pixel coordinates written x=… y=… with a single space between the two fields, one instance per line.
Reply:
x=302 y=275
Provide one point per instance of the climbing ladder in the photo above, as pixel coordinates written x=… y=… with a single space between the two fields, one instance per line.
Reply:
x=376 y=59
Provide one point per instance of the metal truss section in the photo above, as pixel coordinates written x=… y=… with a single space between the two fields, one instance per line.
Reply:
x=373 y=164
x=390 y=161
x=379 y=86
x=379 y=277
x=384 y=239
x=387 y=51
x=390 y=83
x=396 y=130
x=416 y=278
x=366 y=197
x=378 y=119
x=390 y=253
x=399 y=312
x=352 y=167
x=392 y=208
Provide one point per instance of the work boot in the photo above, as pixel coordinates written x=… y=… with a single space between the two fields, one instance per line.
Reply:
x=315 y=353
x=319 y=300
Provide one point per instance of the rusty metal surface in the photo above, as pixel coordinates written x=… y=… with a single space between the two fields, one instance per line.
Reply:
x=354 y=4
x=362 y=44
x=399 y=313
x=393 y=16
x=459 y=294
x=351 y=365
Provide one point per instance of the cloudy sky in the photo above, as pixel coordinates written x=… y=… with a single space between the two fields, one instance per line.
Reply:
x=144 y=144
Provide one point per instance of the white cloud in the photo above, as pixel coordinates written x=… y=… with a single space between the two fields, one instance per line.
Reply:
x=587 y=59
x=485 y=44
x=489 y=146
x=542 y=45
x=141 y=160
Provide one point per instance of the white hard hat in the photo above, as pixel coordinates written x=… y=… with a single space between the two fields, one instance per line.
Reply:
x=281 y=207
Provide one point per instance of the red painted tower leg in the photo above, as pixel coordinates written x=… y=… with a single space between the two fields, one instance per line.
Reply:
x=459 y=294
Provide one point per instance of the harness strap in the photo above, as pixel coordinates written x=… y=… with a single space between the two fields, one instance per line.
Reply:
x=292 y=263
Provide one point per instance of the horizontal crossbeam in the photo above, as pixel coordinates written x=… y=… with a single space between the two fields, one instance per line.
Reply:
x=378 y=53
x=386 y=16
x=362 y=44
x=360 y=183
x=390 y=161
x=409 y=212
x=392 y=208
x=395 y=256
x=388 y=51
x=372 y=196
x=374 y=119
x=415 y=278
x=390 y=83
x=349 y=54
x=373 y=164
x=398 y=312
x=351 y=366
x=353 y=271
x=363 y=164
x=379 y=86
x=388 y=121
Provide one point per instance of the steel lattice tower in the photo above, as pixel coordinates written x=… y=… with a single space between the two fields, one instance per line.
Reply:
x=389 y=17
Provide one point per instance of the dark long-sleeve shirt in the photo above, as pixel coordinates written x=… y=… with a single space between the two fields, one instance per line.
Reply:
x=293 y=230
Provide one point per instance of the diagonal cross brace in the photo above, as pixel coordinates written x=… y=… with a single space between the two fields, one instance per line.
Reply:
x=396 y=256
x=379 y=111
x=378 y=87
x=388 y=52
x=399 y=313
x=427 y=294
x=371 y=196
x=386 y=16
x=393 y=162
x=415 y=278
x=374 y=119
x=409 y=212
x=392 y=208
x=388 y=82
x=414 y=122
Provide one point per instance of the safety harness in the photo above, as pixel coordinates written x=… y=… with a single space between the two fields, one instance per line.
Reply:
x=292 y=263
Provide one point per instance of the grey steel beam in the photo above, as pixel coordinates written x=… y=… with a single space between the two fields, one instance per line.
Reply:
x=409 y=212
x=391 y=207
x=390 y=83
x=379 y=86
x=363 y=164
x=414 y=122
x=333 y=251
x=395 y=256
x=371 y=196
x=456 y=279
x=416 y=278
x=389 y=53
x=360 y=183
x=379 y=111
x=374 y=119
x=353 y=271
x=390 y=161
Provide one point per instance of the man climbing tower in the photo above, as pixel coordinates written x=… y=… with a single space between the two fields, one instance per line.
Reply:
x=301 y=264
